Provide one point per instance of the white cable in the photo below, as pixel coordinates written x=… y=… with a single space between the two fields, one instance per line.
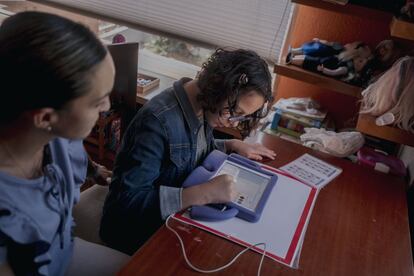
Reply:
x=219 y=268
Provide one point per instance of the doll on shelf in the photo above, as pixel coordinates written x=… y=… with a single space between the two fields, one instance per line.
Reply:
x=331 y=58
x=386 y=53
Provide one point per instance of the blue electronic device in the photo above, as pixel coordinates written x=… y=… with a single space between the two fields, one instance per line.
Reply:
x=253 y=185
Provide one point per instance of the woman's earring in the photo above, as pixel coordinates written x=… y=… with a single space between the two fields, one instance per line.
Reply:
x=49 y=128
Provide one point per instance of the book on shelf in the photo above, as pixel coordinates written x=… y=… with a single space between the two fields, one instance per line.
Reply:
x=311 y=122
x=281 y=135
x=294 y=121
x=289 y=131
x=294 y=125
x=301 y=107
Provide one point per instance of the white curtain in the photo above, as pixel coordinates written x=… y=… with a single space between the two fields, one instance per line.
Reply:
x=259 y=25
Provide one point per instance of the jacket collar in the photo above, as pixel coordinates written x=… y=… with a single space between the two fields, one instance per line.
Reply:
x=185 y=104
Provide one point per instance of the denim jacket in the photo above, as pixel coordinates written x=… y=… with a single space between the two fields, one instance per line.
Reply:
x=158 y=149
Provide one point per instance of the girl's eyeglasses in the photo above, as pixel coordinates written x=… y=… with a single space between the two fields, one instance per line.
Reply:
x=240 y=118
x=228 y=114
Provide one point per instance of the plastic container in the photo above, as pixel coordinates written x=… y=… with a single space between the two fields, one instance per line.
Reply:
x=381 y=162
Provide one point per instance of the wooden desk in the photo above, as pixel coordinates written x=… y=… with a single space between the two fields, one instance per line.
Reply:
x=359 y=226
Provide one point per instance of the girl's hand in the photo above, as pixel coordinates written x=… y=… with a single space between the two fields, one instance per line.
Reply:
x=219 y=189
x=251 y=151
x=102 y=175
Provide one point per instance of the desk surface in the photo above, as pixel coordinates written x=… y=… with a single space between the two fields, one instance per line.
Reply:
x=359 y=226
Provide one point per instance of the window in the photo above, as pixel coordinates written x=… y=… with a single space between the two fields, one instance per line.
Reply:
x=163 y=55
x=257 y=25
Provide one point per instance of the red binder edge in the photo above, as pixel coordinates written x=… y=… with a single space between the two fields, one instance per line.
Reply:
x=288 y=259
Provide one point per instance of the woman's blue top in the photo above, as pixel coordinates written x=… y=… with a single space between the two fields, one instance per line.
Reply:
x=36 y=215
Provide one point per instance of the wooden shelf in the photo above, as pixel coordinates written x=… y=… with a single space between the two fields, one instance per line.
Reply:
x=351 y=9
x=298 y=73
x=402 y=29
x=366 y=124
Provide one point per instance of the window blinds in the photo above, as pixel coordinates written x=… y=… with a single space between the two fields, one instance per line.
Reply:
x=259 y=25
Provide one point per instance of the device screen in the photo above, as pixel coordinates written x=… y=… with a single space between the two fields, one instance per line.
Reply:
x=250 y=184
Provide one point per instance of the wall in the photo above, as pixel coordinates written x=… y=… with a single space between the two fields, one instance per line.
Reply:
x=362 y=24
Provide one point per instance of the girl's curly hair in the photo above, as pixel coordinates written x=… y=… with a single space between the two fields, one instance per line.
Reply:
x=227 y=75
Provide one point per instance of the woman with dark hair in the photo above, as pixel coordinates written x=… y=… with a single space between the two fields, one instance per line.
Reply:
x=57 y=77
x=172 y=134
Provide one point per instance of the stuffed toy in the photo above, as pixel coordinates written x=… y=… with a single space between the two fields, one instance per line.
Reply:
x=331 y=58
